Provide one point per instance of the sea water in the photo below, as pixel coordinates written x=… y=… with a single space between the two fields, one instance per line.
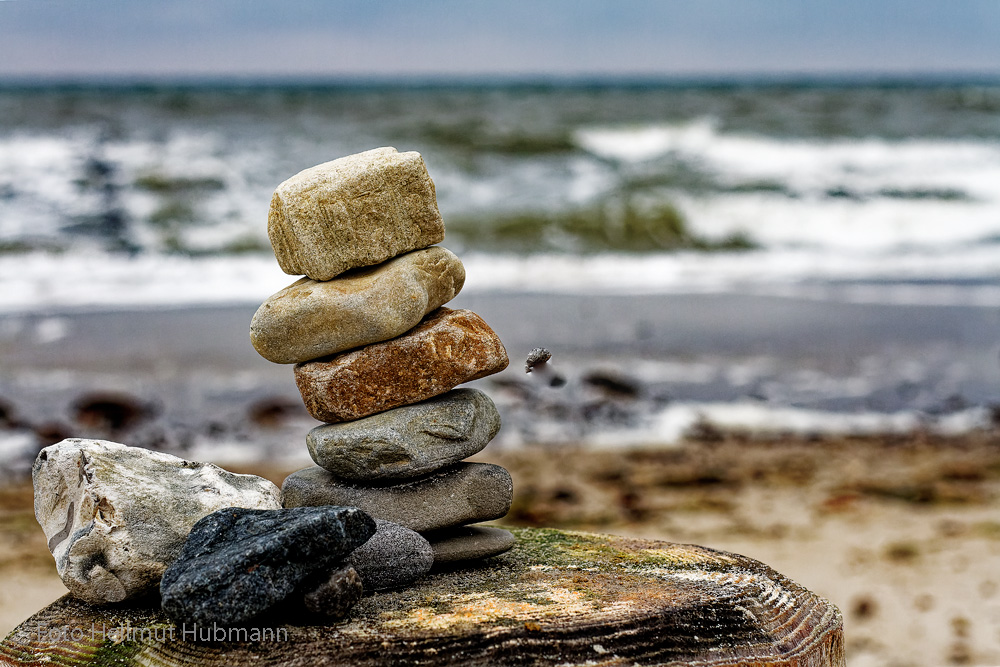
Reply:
x=578 y=188
x=883 y=193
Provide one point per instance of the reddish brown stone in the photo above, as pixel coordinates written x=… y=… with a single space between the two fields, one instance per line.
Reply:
x=447 y=348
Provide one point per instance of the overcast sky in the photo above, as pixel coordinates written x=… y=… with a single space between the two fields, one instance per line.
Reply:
x=170 y=38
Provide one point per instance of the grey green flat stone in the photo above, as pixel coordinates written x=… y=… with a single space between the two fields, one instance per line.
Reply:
x=311 y=319
x=356 y=211
x=464 y=493
x=407 y=442
x=469 y=543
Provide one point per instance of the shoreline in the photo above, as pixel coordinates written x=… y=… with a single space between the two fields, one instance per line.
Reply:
x=645 y=324
x=626 y=359
x=638 y=370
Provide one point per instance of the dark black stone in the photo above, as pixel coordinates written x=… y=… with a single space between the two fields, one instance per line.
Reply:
x=238 y=563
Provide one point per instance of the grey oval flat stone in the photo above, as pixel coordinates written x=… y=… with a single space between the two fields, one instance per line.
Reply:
x=464 y=493
x=464 y=543
x=448 y=348
x=311 y=319
x=407 y=442
x=393 y=557
x=358 y=210
x=238 y=563
x=115 y=517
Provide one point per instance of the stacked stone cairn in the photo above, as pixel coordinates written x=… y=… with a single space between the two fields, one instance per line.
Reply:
x=377 y=358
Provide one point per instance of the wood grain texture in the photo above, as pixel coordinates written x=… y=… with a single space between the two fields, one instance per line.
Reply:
x=557 y=598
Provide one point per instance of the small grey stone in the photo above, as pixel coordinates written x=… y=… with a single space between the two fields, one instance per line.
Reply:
x=393 y=557
x=311 y=319
x=469 y=543
x=536 y=357
x=337 y=593
x=238 y=563
x=407 y=442
x=358 y=210
x=115 y=517
x=464 y=493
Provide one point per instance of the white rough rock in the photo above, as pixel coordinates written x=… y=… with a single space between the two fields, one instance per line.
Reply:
x=115 y=516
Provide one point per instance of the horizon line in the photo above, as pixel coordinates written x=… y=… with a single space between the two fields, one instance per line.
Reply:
x=832 y=78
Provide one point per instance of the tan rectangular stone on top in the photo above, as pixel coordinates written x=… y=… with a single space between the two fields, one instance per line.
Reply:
x=355 y=211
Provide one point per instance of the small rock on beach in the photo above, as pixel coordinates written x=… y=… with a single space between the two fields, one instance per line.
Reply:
x=408 y=441
x=115 y=516
x=449 y=347
x=464 y=493
x=311 y=319
x=393 y=557
x=238 y=563
x=356 y=211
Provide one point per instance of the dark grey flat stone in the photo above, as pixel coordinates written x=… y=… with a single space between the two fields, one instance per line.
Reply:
x=238 y=563
x=393 y=557
x=464 y=493
x=407 y=442
x=469 y=543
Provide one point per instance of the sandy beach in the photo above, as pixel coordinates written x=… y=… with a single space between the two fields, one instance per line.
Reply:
x=901 y=533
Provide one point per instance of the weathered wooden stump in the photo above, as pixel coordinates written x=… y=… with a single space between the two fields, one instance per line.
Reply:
x=557 y=598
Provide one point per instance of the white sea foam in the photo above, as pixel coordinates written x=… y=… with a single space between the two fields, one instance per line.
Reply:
x=967 y=277
x=892 y=194
x=638 y=143
x=864 y=246
x=678 y=420
x=43 y=281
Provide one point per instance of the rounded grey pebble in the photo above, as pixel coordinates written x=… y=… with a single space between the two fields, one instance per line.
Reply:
x=469 y=543
x=393 y=557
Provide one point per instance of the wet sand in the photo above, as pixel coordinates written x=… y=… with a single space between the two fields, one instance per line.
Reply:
x=637 y=325
x=902 y=533
x=198 y=366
